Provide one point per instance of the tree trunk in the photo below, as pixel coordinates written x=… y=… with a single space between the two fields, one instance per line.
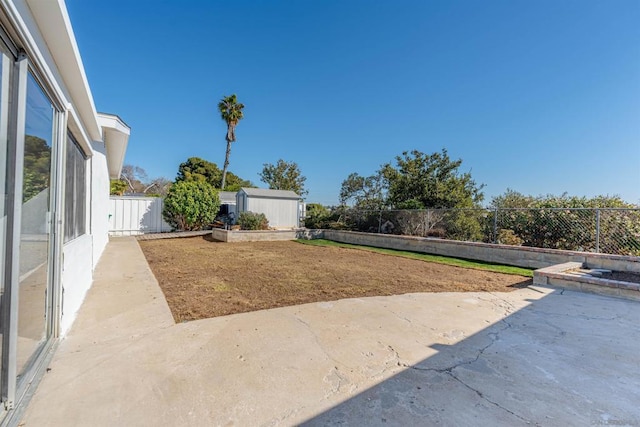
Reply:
x=230 y=137
x=226 y=166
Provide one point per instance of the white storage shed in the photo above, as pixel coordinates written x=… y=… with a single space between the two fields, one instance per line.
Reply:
x=282 y=208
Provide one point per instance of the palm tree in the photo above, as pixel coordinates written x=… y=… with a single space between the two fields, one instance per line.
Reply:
x=231 y=112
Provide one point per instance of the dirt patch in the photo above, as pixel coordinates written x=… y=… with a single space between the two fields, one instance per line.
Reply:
x=622 y=276
x=201 y=278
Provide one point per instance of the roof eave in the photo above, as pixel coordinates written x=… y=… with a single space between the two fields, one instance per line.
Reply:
x=116 y=138
x=54 y=24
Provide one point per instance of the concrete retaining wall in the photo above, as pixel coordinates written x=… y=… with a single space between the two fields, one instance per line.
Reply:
x=263 y=235
x=500 y=254
x=557 y=276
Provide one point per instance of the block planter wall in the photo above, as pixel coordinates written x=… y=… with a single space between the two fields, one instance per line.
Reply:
x=263 y=235
x=500 y=254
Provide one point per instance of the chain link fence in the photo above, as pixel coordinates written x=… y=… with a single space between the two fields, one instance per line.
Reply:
x=613 y=231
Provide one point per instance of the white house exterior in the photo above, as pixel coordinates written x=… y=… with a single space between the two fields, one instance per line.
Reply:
x=282 y=208
x=56 y=157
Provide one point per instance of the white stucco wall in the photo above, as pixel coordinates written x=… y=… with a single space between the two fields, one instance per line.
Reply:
x=82 y=254
x=77 y=276
x=99 y=202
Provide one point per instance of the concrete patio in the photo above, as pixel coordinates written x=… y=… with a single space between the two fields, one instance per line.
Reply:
x=533 y=356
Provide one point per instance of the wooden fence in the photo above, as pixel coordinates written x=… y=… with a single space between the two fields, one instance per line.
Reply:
x=130 y=216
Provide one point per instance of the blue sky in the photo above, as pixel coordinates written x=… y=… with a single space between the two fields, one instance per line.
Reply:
x=538 y=96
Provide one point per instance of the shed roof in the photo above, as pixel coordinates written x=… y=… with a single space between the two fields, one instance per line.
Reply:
x=227 y=197
x=270 y=194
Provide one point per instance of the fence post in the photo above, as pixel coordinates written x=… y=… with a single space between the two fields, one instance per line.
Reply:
x=597 y=230
x=495 y=225
x=380 y=222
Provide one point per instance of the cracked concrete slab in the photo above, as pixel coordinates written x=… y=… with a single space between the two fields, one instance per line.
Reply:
x=534 y=356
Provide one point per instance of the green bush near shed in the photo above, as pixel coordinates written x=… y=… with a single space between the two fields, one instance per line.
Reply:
x=191 y=205
x=253 y=221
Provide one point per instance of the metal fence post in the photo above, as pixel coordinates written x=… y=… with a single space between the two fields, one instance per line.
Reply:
x=495 y=225
x=597 y=230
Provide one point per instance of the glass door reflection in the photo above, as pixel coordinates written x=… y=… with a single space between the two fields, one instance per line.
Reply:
x=35 y=227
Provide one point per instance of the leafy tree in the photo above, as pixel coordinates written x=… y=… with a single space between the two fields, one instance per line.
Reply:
x=317 y=215
x=191 y=205
x=197 y=169
x=231 y=112
x=118 y=187
x=364 y=192
x=235 y=183
x=37 y=166
x=416 y=181
x=284 y=176
x=420 y=181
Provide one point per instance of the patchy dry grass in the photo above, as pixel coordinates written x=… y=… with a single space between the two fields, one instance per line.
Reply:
x=458 y=262
x=201 y=278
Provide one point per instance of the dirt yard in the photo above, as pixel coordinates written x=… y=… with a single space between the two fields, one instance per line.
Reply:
x=201 y=278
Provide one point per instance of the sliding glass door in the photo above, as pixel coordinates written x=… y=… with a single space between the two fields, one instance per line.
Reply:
x=35 y=238
x=31 y=138
x=5 y=76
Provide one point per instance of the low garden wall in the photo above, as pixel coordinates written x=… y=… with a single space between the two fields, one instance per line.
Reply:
x=222 y=235
x=520 y=256
x=562 y=276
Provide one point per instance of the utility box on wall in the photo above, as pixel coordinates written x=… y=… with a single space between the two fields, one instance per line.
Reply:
x=282 y=208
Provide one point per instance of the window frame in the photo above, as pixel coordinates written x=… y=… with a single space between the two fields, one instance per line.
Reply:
x=75 y=190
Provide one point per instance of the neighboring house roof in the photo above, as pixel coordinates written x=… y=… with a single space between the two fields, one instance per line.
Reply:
x=270 y=194
x=227 y=197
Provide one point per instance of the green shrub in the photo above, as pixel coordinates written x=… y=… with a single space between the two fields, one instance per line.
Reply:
x=191 y=205
x=508 y=237
x=253 y=221
x=317 y=216
x=118 y=187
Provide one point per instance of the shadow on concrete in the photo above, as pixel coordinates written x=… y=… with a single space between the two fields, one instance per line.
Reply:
x=566 y=359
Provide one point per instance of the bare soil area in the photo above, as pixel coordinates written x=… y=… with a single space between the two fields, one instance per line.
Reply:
x=622 y=276
x=202 y=278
